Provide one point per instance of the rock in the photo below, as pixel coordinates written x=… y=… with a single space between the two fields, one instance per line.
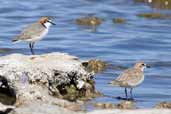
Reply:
x=89 y=93
x=154 y=15
x=7 y=94
x=41 y=108
x=159 y=4
x=95 y=66
x=89 y=21
x=164 y=105
x=126 y=105
x=105 y=105
x=119 y=20
x=143 y=1
x=121 y=105
x=39 y=80
x=74 y=107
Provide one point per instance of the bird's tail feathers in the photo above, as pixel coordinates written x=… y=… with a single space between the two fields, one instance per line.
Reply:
x=114 y=83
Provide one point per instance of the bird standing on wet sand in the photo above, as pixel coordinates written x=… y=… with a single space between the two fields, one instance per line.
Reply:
x=131 y=78
x=35 y=32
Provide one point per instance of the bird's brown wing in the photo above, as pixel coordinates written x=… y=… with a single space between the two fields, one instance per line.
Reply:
x=29 y=32
x=129 y=76
x=121 y=80
x=125 y=75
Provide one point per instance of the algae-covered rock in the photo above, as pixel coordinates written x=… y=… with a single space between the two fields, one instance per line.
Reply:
x=95 y=65
x=159 y=4
x=119 y=20
x=154 y=15
x=71 y=93
x=89 y=21
x=163 y=105
x=42 y=79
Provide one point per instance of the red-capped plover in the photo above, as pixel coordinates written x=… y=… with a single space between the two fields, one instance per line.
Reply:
x=35 y=32
x=131 y=78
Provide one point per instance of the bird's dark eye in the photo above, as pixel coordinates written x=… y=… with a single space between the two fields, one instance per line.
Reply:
x=143 y=64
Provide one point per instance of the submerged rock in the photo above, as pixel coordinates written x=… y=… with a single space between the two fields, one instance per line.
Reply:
x=43 y=78
x=164 y=105
x=158 y=4
x=105 y=105
x=121 y=105
x=154 y=15
x=95 y=65
x=126 y=105
x=119 y=20
x=74 y=107
x=89 y=21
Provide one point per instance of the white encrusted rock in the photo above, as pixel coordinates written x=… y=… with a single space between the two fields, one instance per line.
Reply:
x=33 y=76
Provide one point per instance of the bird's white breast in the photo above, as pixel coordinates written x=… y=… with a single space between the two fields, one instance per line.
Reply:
x=138 y=82
x=39 y=37
x=44 y=33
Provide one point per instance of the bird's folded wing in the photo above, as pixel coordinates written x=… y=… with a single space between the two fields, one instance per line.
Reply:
x=29 y=32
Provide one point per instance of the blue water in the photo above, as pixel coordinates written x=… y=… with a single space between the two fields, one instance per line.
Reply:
x=118 y=44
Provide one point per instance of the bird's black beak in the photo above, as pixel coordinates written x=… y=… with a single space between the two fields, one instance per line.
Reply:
x=51 y=22
x=148 y=66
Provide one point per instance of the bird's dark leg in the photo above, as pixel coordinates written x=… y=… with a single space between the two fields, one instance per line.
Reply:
x=31 y=45
x=131 y=93
x=126 y=95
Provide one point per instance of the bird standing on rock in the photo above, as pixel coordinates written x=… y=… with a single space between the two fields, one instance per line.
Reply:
x=35 y=32
x=131 y=78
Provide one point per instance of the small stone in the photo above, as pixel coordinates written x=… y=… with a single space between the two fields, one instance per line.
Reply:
x=119 y=20
x=73 y=107
x=126 y=105
x=99 y=105
x=158 y=4
x=105 y=105
x=163 y=105
x=109 y=106
x=89 y=21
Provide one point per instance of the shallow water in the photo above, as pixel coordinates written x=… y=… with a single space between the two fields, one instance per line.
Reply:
x=119 y=44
